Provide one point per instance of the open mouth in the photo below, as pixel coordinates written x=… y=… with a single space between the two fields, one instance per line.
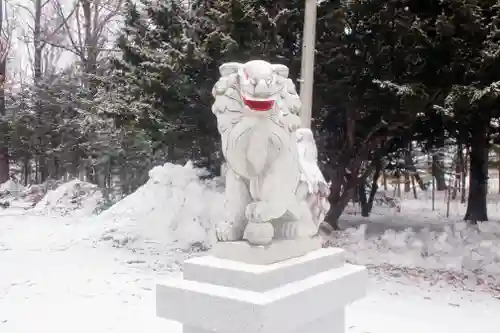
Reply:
x=255 y=105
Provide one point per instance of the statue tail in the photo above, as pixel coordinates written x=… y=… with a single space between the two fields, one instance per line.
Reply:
x=313 y=188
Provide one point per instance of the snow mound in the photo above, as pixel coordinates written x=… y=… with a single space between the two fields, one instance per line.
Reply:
x=10 y=191
x=175 y=208
x=11 y=186
x=74 y=198
x=472 y=251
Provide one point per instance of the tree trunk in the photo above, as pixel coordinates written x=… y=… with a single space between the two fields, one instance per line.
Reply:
x=420 y=182
x=498 y=175
x=459 y=167
x=342 y=191
x=37 y=79
x=398 y=186
x=408 y=167
x=414 y=186
x=4 y=147
x=438 y=171
x=407 y=181
x=478 y=179
x=116 y=182
x=363 y=200
x=338 y=208
x=4 y=164
x=91 y=40
x=26 y=171
x=464 y=173
x=366 y=208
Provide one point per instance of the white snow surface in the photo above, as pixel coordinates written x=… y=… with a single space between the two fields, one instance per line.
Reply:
x=58 y=277
x=84 y=273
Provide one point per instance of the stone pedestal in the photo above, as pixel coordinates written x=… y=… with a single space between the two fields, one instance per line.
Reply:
x=304 y=294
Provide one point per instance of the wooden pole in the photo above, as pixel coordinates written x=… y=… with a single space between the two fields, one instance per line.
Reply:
x=307 y=70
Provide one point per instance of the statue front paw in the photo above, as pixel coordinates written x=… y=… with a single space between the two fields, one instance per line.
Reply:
x=259 y=234
x=295 y=229
x=252 y=212
x=290 y=230
x=230 y=233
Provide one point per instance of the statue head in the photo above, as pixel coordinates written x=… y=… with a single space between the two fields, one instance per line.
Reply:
x=260 y=82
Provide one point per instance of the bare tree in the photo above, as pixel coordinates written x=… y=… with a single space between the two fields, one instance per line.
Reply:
x=90 y=30
x=57 y=28
x=44 y=28
x=6 y=32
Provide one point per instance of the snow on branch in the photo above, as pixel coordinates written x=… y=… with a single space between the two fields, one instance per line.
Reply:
x=491 y=91
x=399 y=90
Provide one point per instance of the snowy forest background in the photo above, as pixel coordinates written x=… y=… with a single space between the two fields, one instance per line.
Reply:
x=406 y=92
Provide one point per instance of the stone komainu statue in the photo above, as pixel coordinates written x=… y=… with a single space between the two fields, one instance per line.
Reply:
x=274 y=188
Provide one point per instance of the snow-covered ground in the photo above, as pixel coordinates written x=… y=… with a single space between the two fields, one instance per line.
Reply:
x=97 y=274
x=426 y=241
x=56 y=276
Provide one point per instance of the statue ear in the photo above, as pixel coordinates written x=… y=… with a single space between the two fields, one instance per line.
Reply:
x=281 y=70
x=229 y=68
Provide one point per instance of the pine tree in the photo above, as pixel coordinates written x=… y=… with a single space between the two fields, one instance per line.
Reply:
x=155 y=83
x=171 y=55
x=462 y=70
x=366 y=55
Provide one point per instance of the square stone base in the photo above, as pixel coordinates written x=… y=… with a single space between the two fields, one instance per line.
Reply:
x=303 y=294
x=278 y=250
x=333 y=323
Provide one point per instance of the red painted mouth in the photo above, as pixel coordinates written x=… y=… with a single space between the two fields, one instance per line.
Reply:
x=259 y=105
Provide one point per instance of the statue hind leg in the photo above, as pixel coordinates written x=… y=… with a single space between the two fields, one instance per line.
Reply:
x=237 y=200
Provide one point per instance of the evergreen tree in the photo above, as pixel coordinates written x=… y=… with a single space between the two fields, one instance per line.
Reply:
x=170 y=61
x=154 y=82
x=366 y=55
x=462 y=71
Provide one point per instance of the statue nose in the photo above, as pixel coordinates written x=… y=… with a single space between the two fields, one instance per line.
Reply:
x=261 y=88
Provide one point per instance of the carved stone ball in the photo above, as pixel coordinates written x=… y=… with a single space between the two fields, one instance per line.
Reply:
x=259 y=233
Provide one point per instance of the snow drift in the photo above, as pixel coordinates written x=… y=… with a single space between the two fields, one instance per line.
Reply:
x=12 y=186
x=75 y=198
x=472 y=251
x=15 y=195
x=174 y=208
x=10 y=191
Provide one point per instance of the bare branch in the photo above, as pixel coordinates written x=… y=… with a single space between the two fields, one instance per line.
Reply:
x=6 y=32
x=46 y=3
x=59 y=10
x=64 y=23
x=75 y=51
x=79 y=31
x=27 y=9
x=100 y=26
